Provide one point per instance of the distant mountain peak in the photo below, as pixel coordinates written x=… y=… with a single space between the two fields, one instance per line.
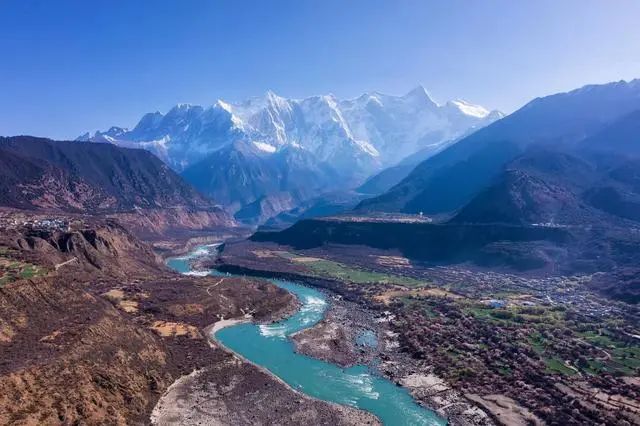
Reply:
x=223 y=105
x=579 y=118
x=420 y=94
x=271 y=95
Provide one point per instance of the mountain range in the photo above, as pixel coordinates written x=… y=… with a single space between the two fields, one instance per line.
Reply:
x=592 y=118
x=268 y=154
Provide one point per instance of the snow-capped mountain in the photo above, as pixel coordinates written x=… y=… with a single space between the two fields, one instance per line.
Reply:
x=354 y=138
x=374 y=130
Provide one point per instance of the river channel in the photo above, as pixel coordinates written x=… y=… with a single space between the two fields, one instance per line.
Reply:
x=270 y=346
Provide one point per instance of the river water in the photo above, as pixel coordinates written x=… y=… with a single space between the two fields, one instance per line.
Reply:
x=270 y=347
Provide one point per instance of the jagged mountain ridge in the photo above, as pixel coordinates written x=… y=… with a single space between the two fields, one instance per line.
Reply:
x=239 y=153
x=373 y=130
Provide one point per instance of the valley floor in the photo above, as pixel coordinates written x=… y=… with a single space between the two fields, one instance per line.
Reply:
x=95 y=307
x=523 y=349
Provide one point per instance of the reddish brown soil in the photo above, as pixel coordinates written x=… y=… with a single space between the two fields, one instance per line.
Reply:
x=78 y=345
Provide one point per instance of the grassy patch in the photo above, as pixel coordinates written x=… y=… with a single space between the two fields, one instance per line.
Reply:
x=7 y=278
x=429 y=312
x=339 y=271
x=499 y=316
x=625 y=358
x=514 y=315
x=538 y=343
x=594 y=367
x=358 y=276
x=12 y=270
x=505 y=371
x=29 y=271
x=479 y=311
x=597 y=339
x=557 y=366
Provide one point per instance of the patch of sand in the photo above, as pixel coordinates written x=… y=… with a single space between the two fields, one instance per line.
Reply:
x=129 y=306
x=305 y=259
x=175 y=329
x=172 y=404
x=114 y=294
x=117 y=296
x=219 y=325
x=393 y=261
x=51 y=337
x=6 y=333
x=263 y=254
x=506 y=409
x=430 y=381
x=187 y=309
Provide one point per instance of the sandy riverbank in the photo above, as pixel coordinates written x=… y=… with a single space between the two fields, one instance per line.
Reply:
x=235 y=391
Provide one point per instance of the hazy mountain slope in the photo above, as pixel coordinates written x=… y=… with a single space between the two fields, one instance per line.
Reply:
x=541 y=188
x=327 y=204
x=451 y=178
x=241 y=174
x=386 y=179
x=618 y=191
x=620 y=137
x=391 y=176
x=575 y=185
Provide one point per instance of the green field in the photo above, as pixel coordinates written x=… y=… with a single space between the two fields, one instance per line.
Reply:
x=13 y=270
x=625 y=358
x=556 y=365
x=330 y=269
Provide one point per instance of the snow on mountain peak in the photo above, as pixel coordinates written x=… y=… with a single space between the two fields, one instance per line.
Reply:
x=223 y=105
x=470 y=109
x=368 y=132
x=264 y=147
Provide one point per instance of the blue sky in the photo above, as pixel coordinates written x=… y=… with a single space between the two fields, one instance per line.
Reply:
x=70 y=66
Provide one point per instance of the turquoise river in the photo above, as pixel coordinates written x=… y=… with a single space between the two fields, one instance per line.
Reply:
x=269 y=346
